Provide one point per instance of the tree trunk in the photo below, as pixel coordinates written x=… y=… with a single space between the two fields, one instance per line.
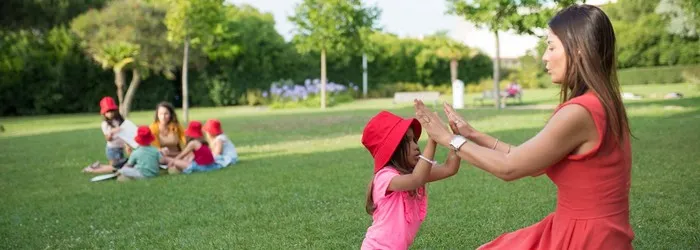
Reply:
x=497 y=73
x=119 y=81
x=135 y=81
x=323 y=78
x=185 y=100
x=364 y=75
x=453 y=69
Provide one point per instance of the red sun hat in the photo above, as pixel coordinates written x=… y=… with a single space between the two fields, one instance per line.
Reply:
x=107 y=104
x=144 y=136
x=194 y=129
x=383 y=133
x=213 y=127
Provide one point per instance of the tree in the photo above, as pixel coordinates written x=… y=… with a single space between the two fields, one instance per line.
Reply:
x=502 y=15
x=191 y=22
x=453 y=51
x=644 y=38
x=127 y=34
x=334 y=25
x=41 y=14
x=248 y=53
x=681 y=21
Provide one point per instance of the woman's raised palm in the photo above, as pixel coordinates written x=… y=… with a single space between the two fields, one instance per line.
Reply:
x=457 y=123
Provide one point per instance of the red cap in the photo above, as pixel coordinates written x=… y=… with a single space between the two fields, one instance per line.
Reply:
x=194 y=129
x=213 y=127
x=383 y=133
x=107 y=104
x=144 y=136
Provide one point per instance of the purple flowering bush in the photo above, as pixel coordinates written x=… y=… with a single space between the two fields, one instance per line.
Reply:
x=287 y=94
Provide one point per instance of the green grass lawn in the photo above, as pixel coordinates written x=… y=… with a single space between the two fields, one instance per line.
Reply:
x=302 y=177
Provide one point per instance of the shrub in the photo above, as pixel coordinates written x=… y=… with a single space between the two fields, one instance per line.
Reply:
x=666 y=74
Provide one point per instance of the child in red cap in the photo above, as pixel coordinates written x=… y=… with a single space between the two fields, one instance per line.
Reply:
x=221 y=146
x=396 y=197
x=203 y=158
x=115 y=146
x=144 y=161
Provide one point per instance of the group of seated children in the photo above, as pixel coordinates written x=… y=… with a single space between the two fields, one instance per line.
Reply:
x=207 y=149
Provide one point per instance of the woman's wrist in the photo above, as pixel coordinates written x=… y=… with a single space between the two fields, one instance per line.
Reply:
x=446 y=139
x=471 y=135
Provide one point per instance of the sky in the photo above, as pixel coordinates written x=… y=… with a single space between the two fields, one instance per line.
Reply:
x=415 y=18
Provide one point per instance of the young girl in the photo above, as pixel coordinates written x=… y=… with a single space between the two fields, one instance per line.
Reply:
x=144 y=161
x=396 y=197
x=221 y=146
x=203 y=158
x=115 y=146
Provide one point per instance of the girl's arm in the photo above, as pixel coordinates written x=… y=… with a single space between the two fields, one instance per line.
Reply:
x=217 y=147
x=110 y=135
x=420 y=173
x=450 y=168
x=193 y=145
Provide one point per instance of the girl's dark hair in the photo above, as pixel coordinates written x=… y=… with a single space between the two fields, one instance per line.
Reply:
x=117 y=117
x=399 y=160
x=588 y=39
x=171 y=109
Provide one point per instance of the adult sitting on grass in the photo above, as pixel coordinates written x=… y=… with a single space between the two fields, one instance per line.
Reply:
x=169 y=135
x=584 y=148
x=144 y=161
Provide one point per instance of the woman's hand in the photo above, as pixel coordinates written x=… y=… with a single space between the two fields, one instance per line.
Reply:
x=457 y=123
x=432 y=124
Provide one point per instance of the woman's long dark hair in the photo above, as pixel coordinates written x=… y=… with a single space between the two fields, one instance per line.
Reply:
x=589 y=41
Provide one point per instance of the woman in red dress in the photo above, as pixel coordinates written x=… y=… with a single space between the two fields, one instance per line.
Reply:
x=584 y=148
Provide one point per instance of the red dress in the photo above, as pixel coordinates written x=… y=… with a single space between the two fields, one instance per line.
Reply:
x=592 y=209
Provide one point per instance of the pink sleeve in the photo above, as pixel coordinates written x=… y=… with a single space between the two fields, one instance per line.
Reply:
x=381 y=182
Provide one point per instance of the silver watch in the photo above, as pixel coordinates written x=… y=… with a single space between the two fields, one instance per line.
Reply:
x=457 y=142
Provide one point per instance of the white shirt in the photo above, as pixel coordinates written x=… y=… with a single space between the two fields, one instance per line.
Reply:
x=116 y=142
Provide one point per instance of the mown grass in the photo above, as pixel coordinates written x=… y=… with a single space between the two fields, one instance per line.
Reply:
x=302 y=178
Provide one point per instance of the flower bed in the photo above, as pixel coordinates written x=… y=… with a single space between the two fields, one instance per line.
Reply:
x=286 y=94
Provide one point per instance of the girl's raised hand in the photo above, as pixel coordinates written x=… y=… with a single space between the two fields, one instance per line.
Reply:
x=432 y=124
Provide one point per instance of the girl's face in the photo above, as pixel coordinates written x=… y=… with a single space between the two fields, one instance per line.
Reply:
x=164 y=115
x=555 y=58
x=109 y=114
x=413 y=149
